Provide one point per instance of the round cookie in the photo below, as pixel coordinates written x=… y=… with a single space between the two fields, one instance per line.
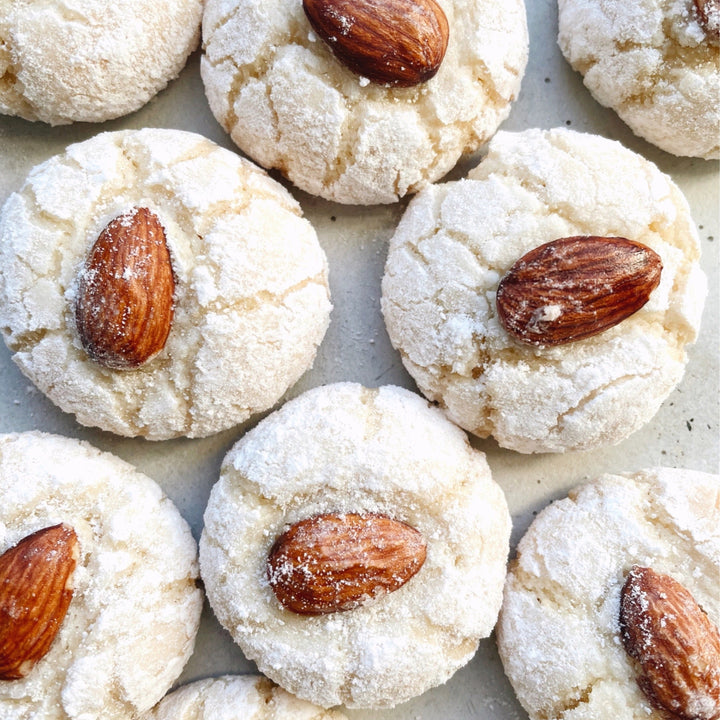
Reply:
x=237 y=697
x=656 y=63
x=559 y=633
x=289 y=103
x=457 y=240
x=91 y=60
x=131 y=624
x=346 y=449
x=251 y=299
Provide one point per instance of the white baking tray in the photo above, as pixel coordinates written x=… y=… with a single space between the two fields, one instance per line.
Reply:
x=684 y=433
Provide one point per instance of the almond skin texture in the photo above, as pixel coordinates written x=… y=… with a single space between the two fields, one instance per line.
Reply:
x=330 y=563
x=390 y=42
x=124 y=305
x=708 y=15
x=675 y=643
x=35 y=593
x=575 y=287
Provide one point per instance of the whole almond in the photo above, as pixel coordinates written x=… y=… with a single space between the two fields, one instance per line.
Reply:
x=675 y=643
x=576 y=287
x=334 y=562
x=708 y=15
x=394 y=42
x=35 y=593
x=124 y=305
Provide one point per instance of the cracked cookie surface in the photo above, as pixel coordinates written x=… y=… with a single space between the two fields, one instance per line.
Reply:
x=251 y=300
x=237 y=697
x=344 y=448
x=131 y=624
x=457 y=240
x=559 y=628
x=63 y=61
x=289 y=104
x=653 y=63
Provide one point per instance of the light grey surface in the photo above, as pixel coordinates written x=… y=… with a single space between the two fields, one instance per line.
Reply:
x=683 y=434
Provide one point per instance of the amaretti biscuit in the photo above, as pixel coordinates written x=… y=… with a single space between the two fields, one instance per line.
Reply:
x=99 y=606
x=157 y=285
x=656 y=63
x=342 y=98
x=355 y=546
x=91 y=60
x=237 y=697
x=514 y=296
x=611 y=607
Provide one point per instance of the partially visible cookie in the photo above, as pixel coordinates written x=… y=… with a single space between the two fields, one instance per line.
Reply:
x=236 y=697
x=192 y=236
x=593 y=571
x=656 y=63
x=135 y=608
x=458 y=240
x=91 y=60
x=286 y=100
x=367 y=466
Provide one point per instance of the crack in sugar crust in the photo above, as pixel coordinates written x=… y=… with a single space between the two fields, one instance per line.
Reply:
x=253 y=696
x=343 y=448
x=455 y=242
x=651 y=63
x=115 y=55
x=113 y=656
x=559 y=628
x=287 y=102
x=254 y=303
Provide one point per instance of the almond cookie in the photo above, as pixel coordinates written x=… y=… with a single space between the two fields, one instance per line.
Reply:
x=157 y=285
x=91 y=60
x=237 y=697
x=314 y=100
x=355 y=546
x=656 y=63
x=562 y=388
x=125 y=563
x=610 y=586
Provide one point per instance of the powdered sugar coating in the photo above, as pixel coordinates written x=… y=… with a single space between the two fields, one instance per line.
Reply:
x=251 y=294
x=653 y=63
x=288 y=102
x=457 y=240
x=559 y=628
x=91 y=60
x=131 y=624
x=345 y=448
x=237 y=697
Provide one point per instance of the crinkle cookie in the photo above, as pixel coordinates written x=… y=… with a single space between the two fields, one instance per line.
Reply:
x=91 y=60
x=457 y=240
x=275 y=85
x=135 y=608
x=237 y=697
x=655 y=62
x=250 y=303
x=339 y=453
x=580 y=592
